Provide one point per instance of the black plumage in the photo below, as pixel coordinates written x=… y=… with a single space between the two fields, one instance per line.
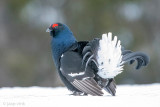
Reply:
x=77 y=64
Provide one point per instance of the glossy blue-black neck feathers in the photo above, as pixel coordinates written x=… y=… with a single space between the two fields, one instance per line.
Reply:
x=61 y=42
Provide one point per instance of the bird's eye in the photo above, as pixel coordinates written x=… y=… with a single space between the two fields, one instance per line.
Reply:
x=54 y=25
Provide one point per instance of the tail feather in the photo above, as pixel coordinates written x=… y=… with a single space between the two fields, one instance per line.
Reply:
x=109 y=56
x=106 y=57
x=142 y=59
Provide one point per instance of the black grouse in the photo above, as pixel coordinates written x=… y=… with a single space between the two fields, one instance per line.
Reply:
x=88 y=67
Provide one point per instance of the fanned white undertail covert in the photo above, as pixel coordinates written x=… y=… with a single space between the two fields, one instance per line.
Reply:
x=109 y=56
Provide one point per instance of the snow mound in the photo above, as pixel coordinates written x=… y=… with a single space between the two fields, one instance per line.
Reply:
x=126 y=96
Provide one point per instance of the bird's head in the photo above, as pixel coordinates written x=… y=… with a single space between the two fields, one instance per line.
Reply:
x=57 y=29
x=62 y=39
x=60 y=33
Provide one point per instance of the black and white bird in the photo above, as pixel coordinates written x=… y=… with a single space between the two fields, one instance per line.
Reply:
x=89 y=67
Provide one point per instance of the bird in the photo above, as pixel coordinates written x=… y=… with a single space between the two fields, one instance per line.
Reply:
x=89 y=67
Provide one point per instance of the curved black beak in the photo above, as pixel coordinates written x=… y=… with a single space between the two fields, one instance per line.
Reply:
x=48 y=30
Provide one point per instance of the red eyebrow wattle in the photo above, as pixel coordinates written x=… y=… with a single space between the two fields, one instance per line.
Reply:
x=54 y=25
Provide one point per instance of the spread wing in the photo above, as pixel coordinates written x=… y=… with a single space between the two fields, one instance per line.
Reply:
x=81 y=78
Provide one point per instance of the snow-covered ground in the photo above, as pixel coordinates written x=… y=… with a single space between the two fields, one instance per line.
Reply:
x=126 y=96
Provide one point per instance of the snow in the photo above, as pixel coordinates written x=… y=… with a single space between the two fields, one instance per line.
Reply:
x=126 y=96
